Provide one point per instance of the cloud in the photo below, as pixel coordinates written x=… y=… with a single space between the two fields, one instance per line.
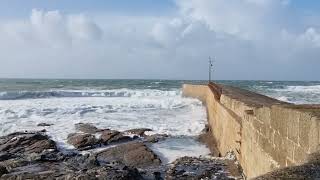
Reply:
x=250 y=39
x=53 y=29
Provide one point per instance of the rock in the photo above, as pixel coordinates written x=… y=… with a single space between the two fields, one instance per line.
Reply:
x=38 y=171
x=5 y=156
x=44 y=124
x=125 y=173
x=3 y=171
x=63 y=171
x=155 y=138
x=80 y=162
x=131 y=154
x=26 y=143
x=86 y=128
x=111 y=136
x=304 y=171
x=106 y=135
x=201 y=168
x=82 y=141
x=46 y=156
x=120 y=138
x=139 y=131
x=207 y=138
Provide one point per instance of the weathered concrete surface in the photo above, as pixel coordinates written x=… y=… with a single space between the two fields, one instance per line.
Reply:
x=264 y=133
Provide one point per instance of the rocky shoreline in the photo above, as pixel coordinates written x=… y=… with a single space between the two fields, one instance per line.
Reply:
x=102 y=154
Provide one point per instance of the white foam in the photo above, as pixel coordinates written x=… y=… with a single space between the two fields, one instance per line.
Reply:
x=173 y=148
x=164 y=112
x=313 y=89
x=297 y=94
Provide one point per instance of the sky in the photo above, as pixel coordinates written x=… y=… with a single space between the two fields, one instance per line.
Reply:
x=167 y=39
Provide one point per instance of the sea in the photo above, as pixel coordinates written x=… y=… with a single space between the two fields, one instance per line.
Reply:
x=126 y=104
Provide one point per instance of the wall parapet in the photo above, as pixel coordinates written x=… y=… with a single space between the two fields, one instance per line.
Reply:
x=264 y=133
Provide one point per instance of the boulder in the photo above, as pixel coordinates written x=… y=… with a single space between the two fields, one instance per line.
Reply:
x=63 y=170
x=111 y=136
x=44 y=124
x=134 y=154
x=79 y=162
x=82 y=141
x=203 y=168
x=26 y=143
x=86 y=128
x=138 y=131
x=106 y=135
x=3 y=170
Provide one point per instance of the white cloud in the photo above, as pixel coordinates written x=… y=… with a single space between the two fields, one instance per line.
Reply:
x=311 y=36
x=80 y=27
x=250 y=39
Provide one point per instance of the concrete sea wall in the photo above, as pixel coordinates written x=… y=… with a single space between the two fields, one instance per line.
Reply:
x=264 y=133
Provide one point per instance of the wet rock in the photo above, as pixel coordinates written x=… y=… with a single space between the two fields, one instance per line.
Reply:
x=82 y=141
x=111 y=136
x=86 y=128
x=62 y=171
x=155 y=138
x=106 y=135
x=46 y=156
x=81 y=162
x=131 y=154
x=138 y=131
x=125 y=173
x=5 y=156
x=38 y=171
x=26 y=143
x=207 y=138
x=44 y=124
x=119 y=138
x=200 y=168
x=3 y=171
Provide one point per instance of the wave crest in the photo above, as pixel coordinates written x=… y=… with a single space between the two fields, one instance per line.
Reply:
x=87 y=93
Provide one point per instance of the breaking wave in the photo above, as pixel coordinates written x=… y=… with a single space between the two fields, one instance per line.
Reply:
x=296 y=94
x=15 y=95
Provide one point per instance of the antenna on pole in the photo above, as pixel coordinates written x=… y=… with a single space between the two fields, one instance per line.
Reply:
x=210 y=68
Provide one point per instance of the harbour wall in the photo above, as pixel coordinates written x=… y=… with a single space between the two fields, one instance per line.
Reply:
x=265 y=134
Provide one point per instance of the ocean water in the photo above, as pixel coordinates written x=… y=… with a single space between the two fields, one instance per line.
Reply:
x=125 y=104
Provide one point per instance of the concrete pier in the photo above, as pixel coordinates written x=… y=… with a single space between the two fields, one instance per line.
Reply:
x=264 y=133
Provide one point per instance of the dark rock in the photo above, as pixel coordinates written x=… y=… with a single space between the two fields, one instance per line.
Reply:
x=26 y=143
x=106 y=135
x=86 y=128
x=201 y=168
x=111 y=136
x=3 y=171
x=82 y=141
x=131 y=154
x=80 y=162
x=5 y=156
x=38 y=171
x=44 y=124
x=119 y=138
x=155 y=138
x=48 y=156
x=14 y=162
x=139 y=131
x=62 y=171
x=207 y=138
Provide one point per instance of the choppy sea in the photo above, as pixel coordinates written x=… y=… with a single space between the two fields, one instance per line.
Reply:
x=126 y=104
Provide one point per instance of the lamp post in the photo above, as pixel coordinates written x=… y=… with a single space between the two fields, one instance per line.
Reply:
x=210 y=68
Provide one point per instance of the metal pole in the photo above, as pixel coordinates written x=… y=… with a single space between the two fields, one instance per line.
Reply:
x=209 y=69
